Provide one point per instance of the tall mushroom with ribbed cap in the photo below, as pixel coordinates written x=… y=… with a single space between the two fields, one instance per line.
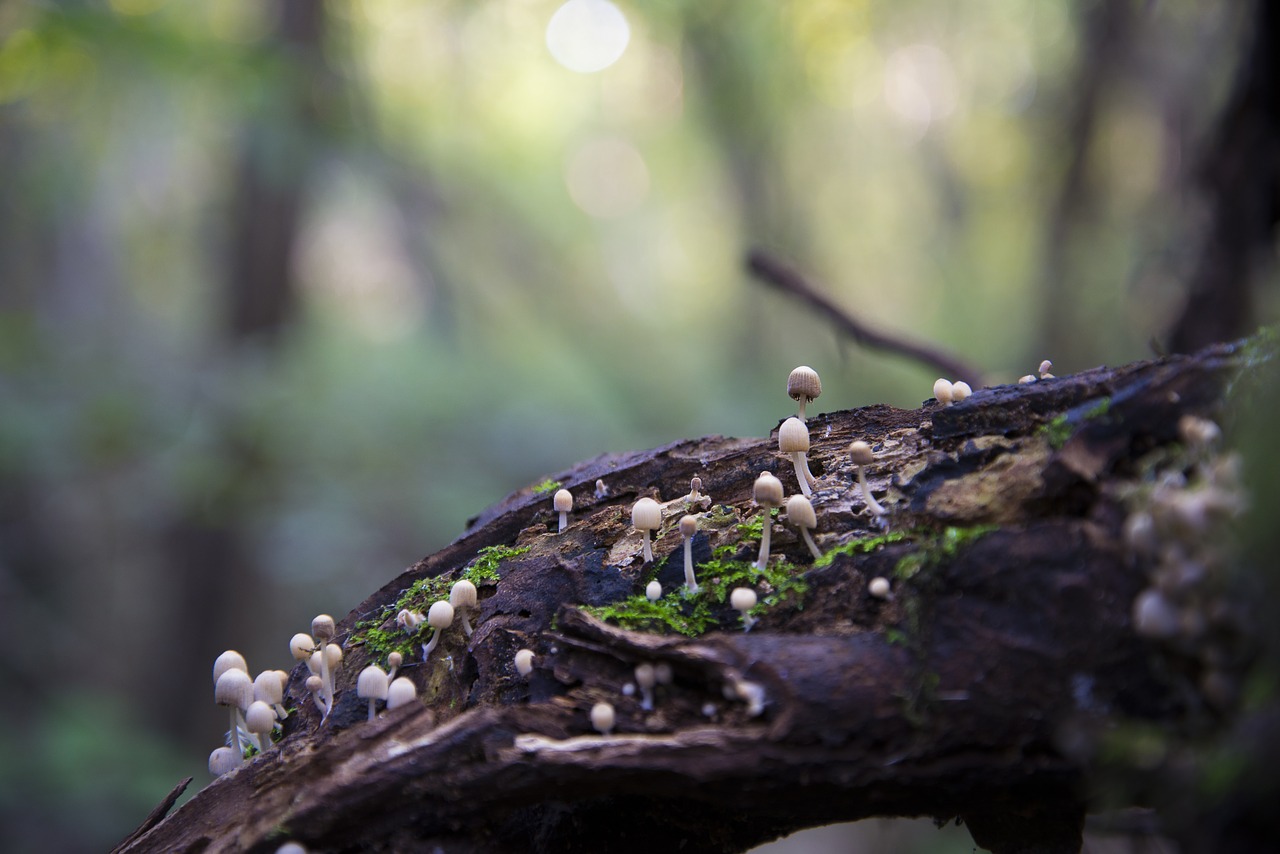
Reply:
x=801 y=514
x=400 y=692
x=803 y=386
x=767 y=492
x=646 y=516
x=234 y=690
x=689 y=527
x=372 y=685
x=793 y=440
x=323 y=629
x=462 y=596
x=860 y=454
x=563 y=504
x=439 y=617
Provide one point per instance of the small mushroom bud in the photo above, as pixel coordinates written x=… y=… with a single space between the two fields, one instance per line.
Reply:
x=439 y=617
x=742 y=600
x=400 y=692
x=944 y=391
x=860 y=454
x=603 y=718
x=960 y=390
x=646 y=516
x=695 y=496
x=315 y=686
x=462 y=596
x=260 y=720
x=767 y=492
x=801 y=514
x=803 y=386
x=323 y=628
x=268 y=688
x=563 y=504
x=793 y=440
x=524 y=662
x=1027 y=379
x=688 y=527
x=394 y=660
x=1044 y=369
x=653 y=592
x=224 y=760
x=409 y=621
x=602 y=491
x=372 y=685
x=301 y=646
x=879 y=587
x=646 y=678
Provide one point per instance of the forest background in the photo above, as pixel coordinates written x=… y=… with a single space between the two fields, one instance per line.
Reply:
x=290 y=290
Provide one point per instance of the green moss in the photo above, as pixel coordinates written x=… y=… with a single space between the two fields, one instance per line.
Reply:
x=546 y=486
x=863 y=546
x=1057 y=431
x=694 y=614
x=484 y=569
x=1099 y=409
x=753 y=528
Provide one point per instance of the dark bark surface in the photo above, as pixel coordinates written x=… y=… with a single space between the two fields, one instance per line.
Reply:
x=975 y=692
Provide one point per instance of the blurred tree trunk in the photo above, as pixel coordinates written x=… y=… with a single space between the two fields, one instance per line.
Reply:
x=1000 y=682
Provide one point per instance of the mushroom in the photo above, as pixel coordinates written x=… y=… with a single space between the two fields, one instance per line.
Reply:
x=439 y=617
x=800 y=513
x=602 y=491
x=695 y=495
x=228 y=660
x=524 y=662
x=860 y=454
x=301 y=646
x=323 y=629
x=646 y=516
x=372 y=685
x=400 y=691
x=1044 y=369
x=409 y=621
x=269 y=688
x=767 y=492
x=688 y=527
x=224 y=760
x=234 y=690
x=879 y=587
x=315 y=686
x=793 y=440
x=260 y=720
x=653 y=592
x=394 y=660
x=563 y=504
x=944 y=391
x=1026 y=380
x=960 y=390
x=602 y=718
x=462 y=596
x=646 y=678
x=803 y=386
x=742 y=600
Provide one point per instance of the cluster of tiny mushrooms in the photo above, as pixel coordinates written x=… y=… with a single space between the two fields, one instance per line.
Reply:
x=256 y=705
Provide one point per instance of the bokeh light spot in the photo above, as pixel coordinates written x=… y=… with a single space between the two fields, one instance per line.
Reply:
x=588 y=35
x=607 y=177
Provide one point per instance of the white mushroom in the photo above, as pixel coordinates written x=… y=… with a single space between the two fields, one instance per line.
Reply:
x=400 y=692
x=563 y=504
x=688 y=527
x=603 y=718
x=767 y=492
x=793 y=440
x=801 y=514
x=463 y=597
x=372 y=685
x=860 y=454
x=742 y=600
x=524 y=662
x=646 y=516
x=803 y=386
x=439 y=617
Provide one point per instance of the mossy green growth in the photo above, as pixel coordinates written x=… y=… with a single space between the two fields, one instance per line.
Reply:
x=693 y=614
x=937 y=548
x=546 y=486
x=1057 y=431
x=866 y=545
x=1099 y=409
x=484 y=569
x=753 y=528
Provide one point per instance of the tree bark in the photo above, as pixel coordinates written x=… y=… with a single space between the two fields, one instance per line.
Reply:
x=980 y=690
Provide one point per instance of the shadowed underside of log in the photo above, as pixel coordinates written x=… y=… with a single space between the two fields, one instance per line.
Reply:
x=972 y=692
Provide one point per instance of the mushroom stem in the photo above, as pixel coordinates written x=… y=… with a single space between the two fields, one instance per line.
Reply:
x=235 y=733
x=564 y=520
x=803 y=475
x=648 y=552
x=808 y=541
x=874 y=506
x=766 y=515
x=689 y=580
x=372 y=710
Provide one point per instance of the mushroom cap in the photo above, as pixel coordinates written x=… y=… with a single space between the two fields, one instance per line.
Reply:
x=315 y=663
x=1045 y=367
x=332 y=655
x=860 y=453
x=646 y=677
x=960 y=390
x=563 y=501
x=462 y=594
x=653 y=592
x=695 y=485
x=301 y=646
x=228 y=660
x=1024 y=380
x=323 y=627
x=234 y=688
x=409 y=620
x=603 y=717
x=524 y=662
x=793 y=436
x=223 y=760
x=879 y=587
x=688 y=525
x=804 y=382
x=441 y=615
x=260 y=718
x=267 y=687
x=742 y=599
x=943 y=390
x=800 y=512
x=767 y=490
x=372 y=683
x=394 y=659
x=400 y=691
x=646 y=515
x=314 y=683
